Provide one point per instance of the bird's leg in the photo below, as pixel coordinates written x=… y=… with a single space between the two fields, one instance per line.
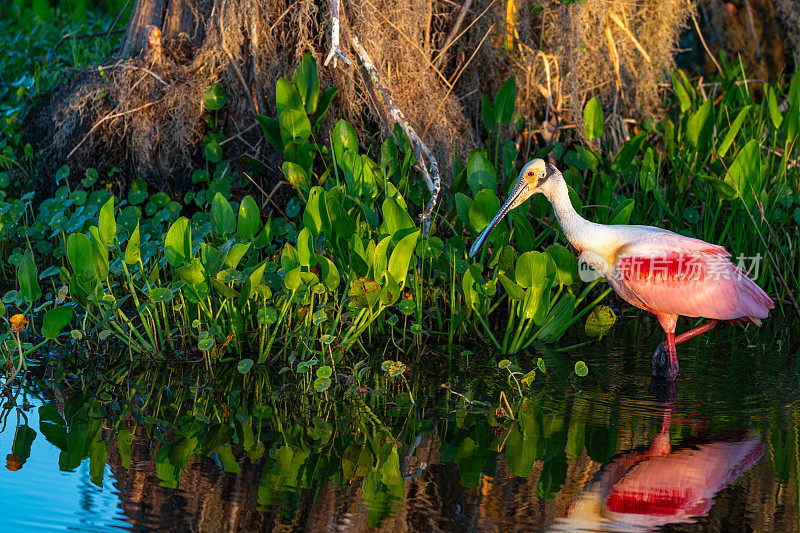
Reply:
x=706 y=326
x=664 y=363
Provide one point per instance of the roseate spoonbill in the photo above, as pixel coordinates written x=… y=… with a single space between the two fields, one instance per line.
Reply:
x=641 y=490
x=651 y=268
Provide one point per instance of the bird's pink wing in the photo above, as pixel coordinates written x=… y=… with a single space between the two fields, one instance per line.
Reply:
x=675 y=275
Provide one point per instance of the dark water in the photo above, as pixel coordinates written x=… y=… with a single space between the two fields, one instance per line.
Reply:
x=609 y=452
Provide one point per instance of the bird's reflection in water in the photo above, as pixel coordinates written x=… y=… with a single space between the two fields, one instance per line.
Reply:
x=641 y=490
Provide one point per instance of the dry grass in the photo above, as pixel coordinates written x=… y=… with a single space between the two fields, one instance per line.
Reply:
x=147 y=109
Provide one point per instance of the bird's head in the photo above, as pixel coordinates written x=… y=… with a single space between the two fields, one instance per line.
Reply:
x=532 y=179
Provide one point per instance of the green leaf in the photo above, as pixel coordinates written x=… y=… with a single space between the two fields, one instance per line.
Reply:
x=214 y=97
x=401 y=257
x=504 y=101
x=305 y=248
x=249 y=221
x=244 y=366
x=700 y=126
x=483 y=210
x=407 y=307
x=622 y=213
x=732 y=132
x=80 y=254
x=647 y=174
x=160 y=294
x=325 y=100
x=271 y=130
x=480 y=173
x=56 y=320
x=593 y=119
x=599 y=321
x=292 y=117
x=305 y=77
x=296 y=175
x=745 y=172
x=28 y=278
x=513 y=290
x=322 y=384
x=680 y=91
x=505 y=363
x=397 y=219
x=566 y=264
x=107 y=224
x=315 y=216
x=772 y=105
x=178 y=243
x=222 y=215
x=343 y=138
x=133 y=251
x=581 y=369
x=487 y=114
x=324 y=371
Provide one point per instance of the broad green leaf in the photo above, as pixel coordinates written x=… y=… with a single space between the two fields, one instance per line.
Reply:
x=315 y=216
x=271 y=130
x=292 y=117
x=772 y=105
x=487 y=114
x=178 y=243
x=343 y=137
x=296 y=175
x=80 y=254
x=680 y=91
x=397 y=219
x=622 y=213
x=325 y=100
x=305 y=248
x=504 y=101
x=401 y=257
x=107 y=223
x=214 y=97
x=566 y=264
x=600 y=321
x=745 y=172
x=159 y=295
x=222 y=215
x=593 y=119
x=249 y=222
x=55 y=320
x=27 y=276
x=480 y=173
x=133 y=251
x=483 y=210
x=513 y=290
x=305 y=77
x=700 y=126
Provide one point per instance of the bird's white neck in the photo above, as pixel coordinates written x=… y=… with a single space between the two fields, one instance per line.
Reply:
x=581 y=233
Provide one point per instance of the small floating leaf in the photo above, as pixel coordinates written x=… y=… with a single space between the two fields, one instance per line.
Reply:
x=581 y=369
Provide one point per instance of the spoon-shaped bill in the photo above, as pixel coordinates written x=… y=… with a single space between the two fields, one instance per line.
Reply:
x=520 y=193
